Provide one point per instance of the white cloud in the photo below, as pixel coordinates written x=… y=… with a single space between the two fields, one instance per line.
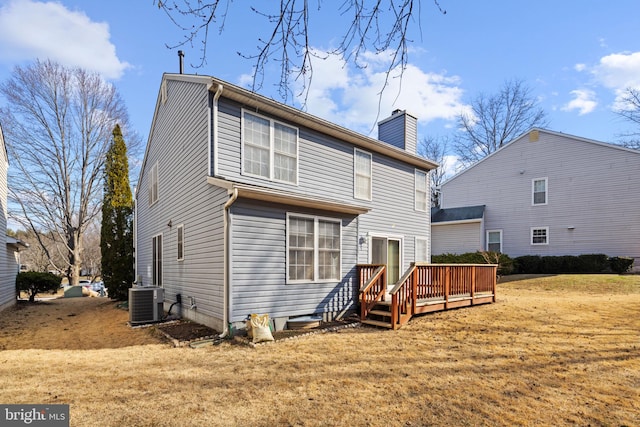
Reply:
x=30 y=30
x=579 y=67
x=351 y=96
x=583 y=101
x=619 y=71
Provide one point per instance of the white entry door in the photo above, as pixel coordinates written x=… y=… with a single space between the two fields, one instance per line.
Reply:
x=387 y=250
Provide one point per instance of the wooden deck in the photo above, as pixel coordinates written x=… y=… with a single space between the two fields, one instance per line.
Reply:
x=422 y=289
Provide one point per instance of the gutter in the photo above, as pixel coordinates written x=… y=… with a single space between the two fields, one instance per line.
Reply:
x=227 y=263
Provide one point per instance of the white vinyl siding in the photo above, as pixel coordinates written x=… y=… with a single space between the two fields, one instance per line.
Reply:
x=153 y=185
x=314 y=247
x=270 y=149
x=180 y=238
x=539 y=235
x=421 y=191
x=362 y=175
x=494 y=240
x=539 y=191
x=156 y=250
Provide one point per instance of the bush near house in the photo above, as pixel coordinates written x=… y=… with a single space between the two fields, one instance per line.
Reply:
x=537 y=264
x=34 y=282
x=505 y=263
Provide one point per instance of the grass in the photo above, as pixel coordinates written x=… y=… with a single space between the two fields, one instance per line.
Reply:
x=557 y=350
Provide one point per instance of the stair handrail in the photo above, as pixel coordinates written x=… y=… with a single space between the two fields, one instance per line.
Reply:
x=403 y=293
x=373 y=289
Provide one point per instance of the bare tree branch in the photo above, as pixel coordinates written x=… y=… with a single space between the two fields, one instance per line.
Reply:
x=378 y=26
x=630 y=111
x=496 y=120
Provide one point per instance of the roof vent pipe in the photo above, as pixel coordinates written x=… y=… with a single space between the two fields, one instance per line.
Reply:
x=181 y=56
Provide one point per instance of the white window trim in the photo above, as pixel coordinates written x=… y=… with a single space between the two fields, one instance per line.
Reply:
x=531 y=236
x=154 y=185
x=179 y=242
x=315 y=248
x=486 y=245
x=271 y=148
x=415 y=254
x=153 y=261
x=546 y=191
x=426 y=191
x=355 y=174
x=398 y=237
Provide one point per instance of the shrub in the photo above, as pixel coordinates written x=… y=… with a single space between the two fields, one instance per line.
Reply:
x=34 y=282
x=594 y=263
x=528 y=264
x=620 y=264
x=505 y=264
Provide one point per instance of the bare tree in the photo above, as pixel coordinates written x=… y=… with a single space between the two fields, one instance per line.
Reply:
x=58 y=124
x=376 y=26
x=435 y=149
x=496 y=120
x=91 y=254
x=630 y=111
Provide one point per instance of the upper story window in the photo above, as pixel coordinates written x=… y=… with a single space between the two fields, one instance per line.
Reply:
x=494 y=240
x=362 y=175
x=270 y=149
x=313 y=249
x=153 y=184
x=421 y=191
x=422 y=245
x=540 y=235
x=539 y=191
x=180 y=242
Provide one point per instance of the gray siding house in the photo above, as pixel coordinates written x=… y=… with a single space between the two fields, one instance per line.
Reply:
x=9 y=247
x=545 y=193
x=245 y=205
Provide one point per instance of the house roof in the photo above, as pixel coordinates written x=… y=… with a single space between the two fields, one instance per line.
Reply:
x=547 y=131
x=16 y=244
x=461 y=214
x=255 y=192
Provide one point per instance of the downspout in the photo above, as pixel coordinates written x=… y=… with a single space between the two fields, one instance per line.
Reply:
x=214 y=146
x=227 y=263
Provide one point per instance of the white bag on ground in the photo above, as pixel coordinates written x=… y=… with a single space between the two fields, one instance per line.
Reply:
x=260 y=328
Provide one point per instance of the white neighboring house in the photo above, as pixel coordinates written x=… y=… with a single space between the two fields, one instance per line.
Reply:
x=11 y=247
x=545 y=193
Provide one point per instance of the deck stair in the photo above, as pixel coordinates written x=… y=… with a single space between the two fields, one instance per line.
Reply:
x=423 y=288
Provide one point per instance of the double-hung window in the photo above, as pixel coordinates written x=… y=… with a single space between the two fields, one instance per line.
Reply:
x=153 y=184
x=422 y=246
x=156 y=262
x=494 y=240
x=539 y=235
x=270 y=149
x=180 y=237
x=421 y=191
x=362 y=175
x=313 y=249
x=539 y=191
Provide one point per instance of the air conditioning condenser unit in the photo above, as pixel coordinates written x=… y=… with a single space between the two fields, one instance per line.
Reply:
x=145 y=304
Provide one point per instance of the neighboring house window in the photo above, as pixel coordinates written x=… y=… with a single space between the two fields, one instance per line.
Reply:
x=270 y=149
x=362 y=175
x=540 y=235
x=314 y=247
x=422 y=244
x=494 y=240
x=157 y=260
x=421 y=191
x=539 y=196
x=153 y=184
x=180 y=242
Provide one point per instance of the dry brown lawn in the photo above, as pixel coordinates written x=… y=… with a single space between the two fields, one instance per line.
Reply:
x=561 y=350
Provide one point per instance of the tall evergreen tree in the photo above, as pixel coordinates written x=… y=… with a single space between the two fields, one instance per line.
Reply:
x=116 y=242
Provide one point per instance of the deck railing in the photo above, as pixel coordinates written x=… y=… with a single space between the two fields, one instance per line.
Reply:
x=438 y=285
x=373 y=286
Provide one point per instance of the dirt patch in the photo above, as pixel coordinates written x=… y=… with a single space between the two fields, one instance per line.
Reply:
x=69 y=324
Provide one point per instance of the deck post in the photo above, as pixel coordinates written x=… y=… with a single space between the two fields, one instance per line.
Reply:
x=447 y=286
x=473 y=282
x=414 y=291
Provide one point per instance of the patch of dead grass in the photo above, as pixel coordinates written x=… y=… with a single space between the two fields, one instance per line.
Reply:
x=539 y=356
